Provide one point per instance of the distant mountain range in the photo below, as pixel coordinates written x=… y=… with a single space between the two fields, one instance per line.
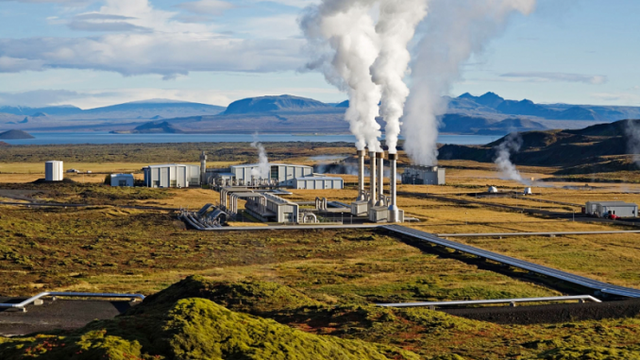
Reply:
x=598 y=148
x=467 y=114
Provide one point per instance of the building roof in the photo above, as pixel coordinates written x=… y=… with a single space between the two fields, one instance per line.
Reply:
x=318 y=178
x=122 y=175
x=165 y=165
x=270 y=164
x=612 y=203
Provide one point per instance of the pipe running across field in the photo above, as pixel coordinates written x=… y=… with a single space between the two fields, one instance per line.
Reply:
x=581 y=298
x=31 y=300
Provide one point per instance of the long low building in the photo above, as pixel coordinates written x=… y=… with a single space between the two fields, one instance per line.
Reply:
x=248 y=174
x=318 y=183
x=171 y=176
x=605 y=209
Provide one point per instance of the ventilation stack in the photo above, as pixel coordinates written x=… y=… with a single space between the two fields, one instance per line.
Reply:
x=380 y=158
x=361 y=191
x=372 y=199
x=203 y=168
x=394 y=212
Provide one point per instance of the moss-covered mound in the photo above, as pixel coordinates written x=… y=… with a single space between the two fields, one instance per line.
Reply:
x=171 y=325
x=254 y=297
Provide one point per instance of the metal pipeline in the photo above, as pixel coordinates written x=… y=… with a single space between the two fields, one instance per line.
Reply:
x=73 y=294
x=393 y=206
x=372 y=200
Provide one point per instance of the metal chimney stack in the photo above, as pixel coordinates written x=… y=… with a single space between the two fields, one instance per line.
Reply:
x=393 y=207
x=380 y=157
x=372 y=199
x=361 y=191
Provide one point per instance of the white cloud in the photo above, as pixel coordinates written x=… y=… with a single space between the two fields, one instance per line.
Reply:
x=208 y=7
x=621 y=98
x=555 y=77
x=146 y=40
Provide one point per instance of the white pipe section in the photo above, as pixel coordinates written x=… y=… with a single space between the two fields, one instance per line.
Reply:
x=380 y=157
x=499 y=301
x=361 y=190
x=74 y=294
x=394 y=214
x=372 y=199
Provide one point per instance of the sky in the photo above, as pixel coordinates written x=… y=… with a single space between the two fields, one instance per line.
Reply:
x=92 y=53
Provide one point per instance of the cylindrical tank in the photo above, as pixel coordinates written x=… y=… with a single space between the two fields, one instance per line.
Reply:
x=528 y=191
x=493 y=190
x=53 y=170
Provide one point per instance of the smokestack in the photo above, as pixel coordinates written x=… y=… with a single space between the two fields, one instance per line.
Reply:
x=380 y=157
x=361 y=191
x=203 y=168
x=393 y=207
x=372 y=199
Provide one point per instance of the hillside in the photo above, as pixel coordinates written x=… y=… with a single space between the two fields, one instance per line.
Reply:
x=598 y=148
x=156 y=127
x=15 y=135
x=273 y=103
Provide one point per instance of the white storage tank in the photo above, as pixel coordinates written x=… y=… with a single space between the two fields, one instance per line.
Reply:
x=53 y=170
x=528 y=191
x=493 y=190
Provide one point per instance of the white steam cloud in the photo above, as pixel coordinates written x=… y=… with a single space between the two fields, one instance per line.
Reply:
x=262 y=172
x=456 y=30
x=396 y=27
x=511 y=144
x=343 y=39
x=632 y=130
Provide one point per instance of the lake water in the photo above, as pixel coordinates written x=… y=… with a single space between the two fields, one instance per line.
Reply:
x=107 y=138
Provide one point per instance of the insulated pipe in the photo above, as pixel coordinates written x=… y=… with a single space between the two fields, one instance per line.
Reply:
x=372 y=198
x=361 y=191
x=380 y=157
x=393 y=207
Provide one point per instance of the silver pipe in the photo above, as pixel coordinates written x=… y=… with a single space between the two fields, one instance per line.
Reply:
x=380 y=157
x=499 y=301
x=361 y=190
x=394 y=214
x=372 y=185
x=74 y=294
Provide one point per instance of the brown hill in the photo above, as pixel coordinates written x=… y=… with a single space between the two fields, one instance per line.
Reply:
x=598 y=148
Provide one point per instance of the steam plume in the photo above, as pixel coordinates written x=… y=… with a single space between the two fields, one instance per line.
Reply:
x=344 y=43
x=263 y=169
x=632 y=130
x=508 y=171
x=456 y=30
x=396 y=27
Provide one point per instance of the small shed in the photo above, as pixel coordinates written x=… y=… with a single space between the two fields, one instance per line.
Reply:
x=123 y=180
x=606 y=208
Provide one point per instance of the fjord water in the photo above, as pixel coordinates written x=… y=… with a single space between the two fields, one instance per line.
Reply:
x=59 y=138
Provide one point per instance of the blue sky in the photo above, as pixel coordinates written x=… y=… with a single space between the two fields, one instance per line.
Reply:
x=93 y=53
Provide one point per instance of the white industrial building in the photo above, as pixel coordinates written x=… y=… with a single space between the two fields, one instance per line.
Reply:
x=604 y=209
x=122 y=180
x=318 y=183
x=171 y=175
x=250 y=174
x=53 y=170
x=424 y=175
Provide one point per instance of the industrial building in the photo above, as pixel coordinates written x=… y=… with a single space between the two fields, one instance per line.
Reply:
x=122 y=180
x=249 y=174
x=266 y=207
x=53 y=170
x=606 y=209
x=318 y=183
x=171 y=175
x=424 y=175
